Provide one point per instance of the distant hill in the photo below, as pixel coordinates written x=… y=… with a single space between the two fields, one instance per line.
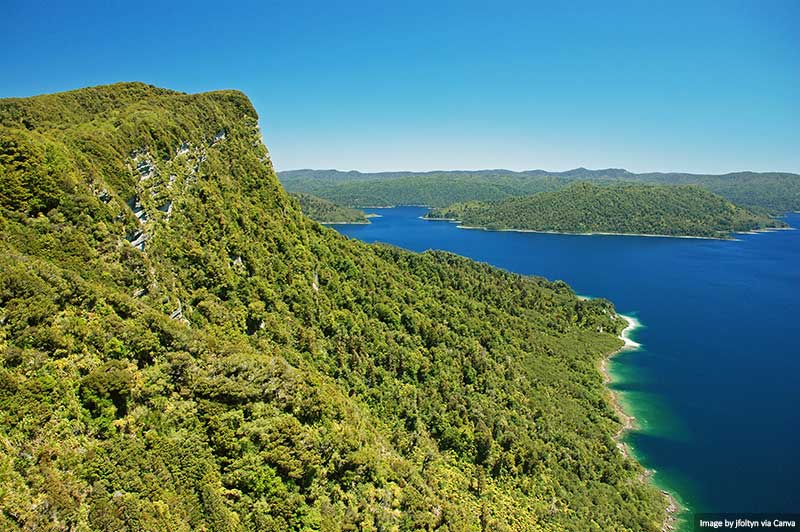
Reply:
x=433 y=189
x=633 y=208
x=327 y=212
x=355 y=175
x=773 y=192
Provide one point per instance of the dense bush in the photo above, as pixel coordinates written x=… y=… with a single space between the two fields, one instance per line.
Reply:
x=631 y=208
x=325 y=211
x=251 y=370
x=768 y=192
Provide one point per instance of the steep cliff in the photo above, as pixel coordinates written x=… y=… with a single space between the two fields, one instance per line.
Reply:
x=183 y=350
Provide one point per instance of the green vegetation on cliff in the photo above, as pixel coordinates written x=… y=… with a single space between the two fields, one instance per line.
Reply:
x=181 y=349
x=325 y=211
x=583 y=207
x=774 y=192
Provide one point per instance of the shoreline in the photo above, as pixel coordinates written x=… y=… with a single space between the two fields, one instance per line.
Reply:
x=390 y=206
x=602 y=233
x=599 y=233
x=765 y=230
x=629 y=421
x=584 y=234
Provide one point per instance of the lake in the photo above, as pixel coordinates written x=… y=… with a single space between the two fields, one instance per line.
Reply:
x=714 y=387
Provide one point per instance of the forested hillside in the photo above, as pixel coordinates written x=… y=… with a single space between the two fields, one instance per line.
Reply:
x=181 y=349
x=774 y=193
x=584 y=207
x=324 y=211
x=433 y=189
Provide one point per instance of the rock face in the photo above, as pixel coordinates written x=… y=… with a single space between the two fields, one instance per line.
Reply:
x=243 y=368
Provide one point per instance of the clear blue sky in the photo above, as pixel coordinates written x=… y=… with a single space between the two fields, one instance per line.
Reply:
x=674 y=86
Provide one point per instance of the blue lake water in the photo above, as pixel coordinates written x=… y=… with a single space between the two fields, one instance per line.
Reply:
x=715 y=386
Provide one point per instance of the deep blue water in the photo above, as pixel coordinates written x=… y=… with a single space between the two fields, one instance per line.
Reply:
x=715 y=387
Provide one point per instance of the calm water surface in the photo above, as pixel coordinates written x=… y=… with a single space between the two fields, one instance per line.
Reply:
x=715 y=386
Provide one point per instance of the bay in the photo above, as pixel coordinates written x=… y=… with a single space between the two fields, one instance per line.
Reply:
x=714 y=387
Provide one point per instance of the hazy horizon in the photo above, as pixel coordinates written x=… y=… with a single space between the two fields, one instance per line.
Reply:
x=532 y=169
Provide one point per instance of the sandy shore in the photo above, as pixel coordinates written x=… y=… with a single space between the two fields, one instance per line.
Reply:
x=425 y=217
x=630 y=345
x=592 y=234
x=765 y=230
x=753 y=232
x=628 y=421
x=461 y=226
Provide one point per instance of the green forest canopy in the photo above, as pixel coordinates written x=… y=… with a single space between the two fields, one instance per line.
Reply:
x=633 y=208
x=774 y=193
x=324 y=211
x=183 y=350
x=430 y=189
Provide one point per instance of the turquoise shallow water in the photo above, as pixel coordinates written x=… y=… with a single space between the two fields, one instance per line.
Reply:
x=714 y=386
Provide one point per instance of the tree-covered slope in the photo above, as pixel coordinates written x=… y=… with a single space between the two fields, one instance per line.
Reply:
x=432 y=189
x=181 y=349
x=774 y=193
x=584 y=207
x=325 y=211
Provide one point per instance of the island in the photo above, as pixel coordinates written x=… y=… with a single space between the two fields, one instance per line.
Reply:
x=613 y=208
x=327 y=212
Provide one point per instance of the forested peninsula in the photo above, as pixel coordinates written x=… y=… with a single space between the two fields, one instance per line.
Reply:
x=622 y=208
x=182 y=349
x=327 y=212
